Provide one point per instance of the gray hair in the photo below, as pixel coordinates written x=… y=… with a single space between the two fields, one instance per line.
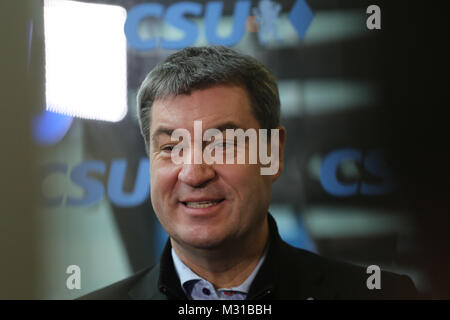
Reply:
x=195 y=68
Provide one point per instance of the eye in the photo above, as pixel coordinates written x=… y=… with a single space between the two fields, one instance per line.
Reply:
x=167 y=148
x=223 y=144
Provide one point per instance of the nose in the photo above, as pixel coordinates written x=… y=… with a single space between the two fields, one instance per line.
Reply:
x=196 y=175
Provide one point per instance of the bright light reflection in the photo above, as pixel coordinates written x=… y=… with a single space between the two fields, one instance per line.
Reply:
x=85 y=54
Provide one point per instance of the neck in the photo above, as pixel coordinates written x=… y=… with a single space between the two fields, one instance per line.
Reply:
x=228 y=265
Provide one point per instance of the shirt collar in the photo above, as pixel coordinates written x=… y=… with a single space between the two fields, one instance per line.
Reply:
x=185 y=274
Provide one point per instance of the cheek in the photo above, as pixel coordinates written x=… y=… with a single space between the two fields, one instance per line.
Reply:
x=245 y=180
x=162 y=180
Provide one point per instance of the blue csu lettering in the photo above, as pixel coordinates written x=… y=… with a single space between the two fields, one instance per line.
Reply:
x=300 y=17
x=94 y=190
x=372 y=163
x=175 y=16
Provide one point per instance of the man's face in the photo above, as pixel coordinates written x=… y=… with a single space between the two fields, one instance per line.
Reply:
x=201 y=205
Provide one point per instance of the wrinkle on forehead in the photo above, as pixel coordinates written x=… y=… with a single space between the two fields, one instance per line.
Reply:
x=170 y=113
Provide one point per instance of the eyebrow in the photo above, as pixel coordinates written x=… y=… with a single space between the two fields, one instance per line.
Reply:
x=168 y=131
x=161 y=131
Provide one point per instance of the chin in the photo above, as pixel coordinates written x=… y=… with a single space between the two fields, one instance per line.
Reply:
x=202 y=241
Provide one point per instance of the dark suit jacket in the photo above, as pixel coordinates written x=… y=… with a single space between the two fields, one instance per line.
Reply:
x=287 y=273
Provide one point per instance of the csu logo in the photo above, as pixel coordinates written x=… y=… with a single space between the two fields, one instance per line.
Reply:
x=371 y=162
x=94 y=189
x=266 y=13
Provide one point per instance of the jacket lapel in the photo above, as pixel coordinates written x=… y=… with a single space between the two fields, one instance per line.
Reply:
x=288 y=273
x=161 y=282
x=147 y=288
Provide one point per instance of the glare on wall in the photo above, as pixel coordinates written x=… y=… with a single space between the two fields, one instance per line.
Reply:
x=85 y=60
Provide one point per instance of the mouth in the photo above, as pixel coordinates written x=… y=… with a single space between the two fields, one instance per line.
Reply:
x=201 y=204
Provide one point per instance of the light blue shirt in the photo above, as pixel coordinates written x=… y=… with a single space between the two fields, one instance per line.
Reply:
x=197 y=288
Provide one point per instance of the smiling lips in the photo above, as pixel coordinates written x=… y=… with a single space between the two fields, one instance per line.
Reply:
x=201 y=204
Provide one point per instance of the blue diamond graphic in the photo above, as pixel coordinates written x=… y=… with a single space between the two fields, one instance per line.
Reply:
x=301 y=17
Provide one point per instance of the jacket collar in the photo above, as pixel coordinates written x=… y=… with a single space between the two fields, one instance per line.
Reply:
x=161 y=282
x=279 y=276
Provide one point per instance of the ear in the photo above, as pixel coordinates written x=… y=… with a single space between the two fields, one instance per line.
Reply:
x=281 y=143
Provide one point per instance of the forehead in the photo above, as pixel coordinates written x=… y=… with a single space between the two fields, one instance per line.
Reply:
x=212 y=106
